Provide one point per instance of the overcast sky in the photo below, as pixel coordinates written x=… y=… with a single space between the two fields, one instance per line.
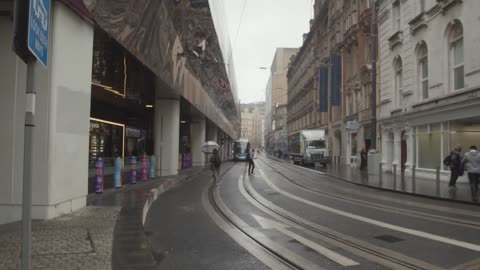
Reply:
x=266 y=25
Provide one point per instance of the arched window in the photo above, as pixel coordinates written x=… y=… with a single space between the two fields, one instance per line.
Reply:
x=398 y=79
x=422 y=55
x=456 y=56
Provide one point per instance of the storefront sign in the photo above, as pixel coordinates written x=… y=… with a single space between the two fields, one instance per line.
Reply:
x=353 y=125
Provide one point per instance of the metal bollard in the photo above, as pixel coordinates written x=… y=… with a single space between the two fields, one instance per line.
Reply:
x=117 y=176
x=380 y=174
x=144 y=168
x=133 y=170
x=394 y=176
x=414 y=184
x=151 y=167
x=99 y=178
x=438 y=182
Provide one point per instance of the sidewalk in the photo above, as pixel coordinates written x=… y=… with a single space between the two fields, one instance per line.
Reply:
x=107 y=234
x=424 y=187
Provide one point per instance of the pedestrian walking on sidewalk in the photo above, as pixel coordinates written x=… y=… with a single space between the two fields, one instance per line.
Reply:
x=251 y=164
x=363 y=159
x=215 y=163
x=472 y=161
x=453 y=161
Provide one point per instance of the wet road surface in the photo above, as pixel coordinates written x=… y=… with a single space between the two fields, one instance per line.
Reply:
x=288 y=217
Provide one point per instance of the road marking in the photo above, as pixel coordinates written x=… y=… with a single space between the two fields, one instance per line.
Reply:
x=386 y=208
x=243 y=240
x=238 y=237
x=456 y=211
x=373 y=221
x=388 y=258
x=270 y=224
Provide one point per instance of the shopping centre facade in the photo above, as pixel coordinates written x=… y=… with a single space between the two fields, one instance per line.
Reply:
x=124 y=79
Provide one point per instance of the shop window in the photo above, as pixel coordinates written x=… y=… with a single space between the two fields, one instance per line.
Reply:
x=353 y=144
x=429 y=154
x=106 y=141
x=465 y=132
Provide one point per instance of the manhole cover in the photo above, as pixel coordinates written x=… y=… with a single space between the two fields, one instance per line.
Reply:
x=389 y=238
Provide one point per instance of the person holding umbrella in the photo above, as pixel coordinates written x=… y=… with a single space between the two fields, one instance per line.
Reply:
x=215 y=160
x=215 y=163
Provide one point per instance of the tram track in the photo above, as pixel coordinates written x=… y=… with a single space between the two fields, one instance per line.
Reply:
x=385 y=257
x=237 y=229
x=382 y=207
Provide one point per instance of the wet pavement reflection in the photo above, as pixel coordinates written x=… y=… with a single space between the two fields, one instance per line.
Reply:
x=402 y=183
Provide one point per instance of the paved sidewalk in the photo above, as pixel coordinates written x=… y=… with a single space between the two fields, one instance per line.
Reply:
x=81 y=240
x=106 y=234
x=425 y=187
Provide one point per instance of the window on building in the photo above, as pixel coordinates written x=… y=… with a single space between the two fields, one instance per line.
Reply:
x=398 y=79
x=429 y=146
x=457 y=57
x=397 y=16
x=423 y=70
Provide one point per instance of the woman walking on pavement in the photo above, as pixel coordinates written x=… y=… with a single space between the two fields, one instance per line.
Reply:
x=472 y=161
x=215 y=163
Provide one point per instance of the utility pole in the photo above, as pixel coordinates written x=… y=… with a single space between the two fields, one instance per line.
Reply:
x=373 y=95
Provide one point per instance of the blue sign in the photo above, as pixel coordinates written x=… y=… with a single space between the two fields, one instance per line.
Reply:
x=38 y=20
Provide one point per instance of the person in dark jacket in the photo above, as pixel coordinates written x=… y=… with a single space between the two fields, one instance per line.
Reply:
x=251 y=164
x=471 y=160
x=363 y=159
x=454 y=162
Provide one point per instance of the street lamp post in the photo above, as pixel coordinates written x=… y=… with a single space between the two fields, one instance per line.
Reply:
x=373 y=96
x=374 y=158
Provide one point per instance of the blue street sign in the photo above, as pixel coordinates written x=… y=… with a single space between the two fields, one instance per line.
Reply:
x=38 y=20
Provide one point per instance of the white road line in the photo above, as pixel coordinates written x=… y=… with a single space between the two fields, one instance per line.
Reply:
x=373 y=221
x=457 y=211
x=270 y=224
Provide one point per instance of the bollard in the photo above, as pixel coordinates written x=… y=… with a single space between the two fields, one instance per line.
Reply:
x=438 y=181
x=133 y=170
x=144 y=168
x=414 y=184
x=117 y=176
x=394 y=176
x=380 y=174
x=99 y=181
x=151 y=167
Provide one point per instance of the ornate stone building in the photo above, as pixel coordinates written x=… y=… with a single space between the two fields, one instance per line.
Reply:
x=329 y=79
x=430 y=74
x=356 y=55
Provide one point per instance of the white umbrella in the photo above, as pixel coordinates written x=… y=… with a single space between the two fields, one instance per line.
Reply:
x=209 y=146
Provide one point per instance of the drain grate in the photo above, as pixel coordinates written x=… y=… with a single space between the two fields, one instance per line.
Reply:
x=389 y=238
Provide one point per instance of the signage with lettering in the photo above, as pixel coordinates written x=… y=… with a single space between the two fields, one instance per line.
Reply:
x=38 y=24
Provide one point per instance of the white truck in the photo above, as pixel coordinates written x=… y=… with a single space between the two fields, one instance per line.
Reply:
x=308 y=147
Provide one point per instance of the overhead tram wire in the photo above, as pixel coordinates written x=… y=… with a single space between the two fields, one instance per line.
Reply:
x=239 y=24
